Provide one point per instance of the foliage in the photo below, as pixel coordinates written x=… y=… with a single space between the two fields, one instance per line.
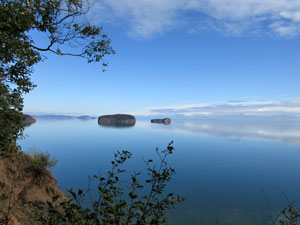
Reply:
x=288 y=216
x=113 y=204
x=41 y=159
x=64 y=24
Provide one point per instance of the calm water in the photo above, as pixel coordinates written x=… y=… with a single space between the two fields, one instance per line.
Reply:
x=221 y=166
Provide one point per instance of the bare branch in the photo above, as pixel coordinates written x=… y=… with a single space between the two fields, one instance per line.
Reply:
x=272 y=218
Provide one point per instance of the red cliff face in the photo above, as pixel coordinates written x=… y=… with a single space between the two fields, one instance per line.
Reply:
x=24 y=184
x=28 y=120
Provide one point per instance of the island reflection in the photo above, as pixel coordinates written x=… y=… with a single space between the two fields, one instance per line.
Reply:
x=117 y=126
x=287 y=132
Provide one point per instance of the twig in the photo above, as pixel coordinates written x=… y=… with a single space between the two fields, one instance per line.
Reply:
x=273 y=219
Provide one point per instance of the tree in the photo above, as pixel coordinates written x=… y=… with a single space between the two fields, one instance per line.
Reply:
x=68 y=32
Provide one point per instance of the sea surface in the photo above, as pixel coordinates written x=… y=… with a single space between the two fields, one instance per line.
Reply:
x=221 y=166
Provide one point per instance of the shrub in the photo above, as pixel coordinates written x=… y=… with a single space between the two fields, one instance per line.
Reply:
x=143 y=202
x=41 y=159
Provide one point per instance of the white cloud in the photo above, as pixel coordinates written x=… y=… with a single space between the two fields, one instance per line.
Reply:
x=286 y=29
x=146 y=18
x=283 y=108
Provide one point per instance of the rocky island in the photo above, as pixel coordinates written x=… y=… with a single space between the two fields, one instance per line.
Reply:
x=117 y=120
x=165 y=121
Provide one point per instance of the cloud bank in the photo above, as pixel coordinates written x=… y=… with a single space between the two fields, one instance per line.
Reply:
x=280 y=108
x=147 y=18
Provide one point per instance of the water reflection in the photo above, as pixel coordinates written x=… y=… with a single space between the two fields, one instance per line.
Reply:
x=117 y=125
x=279 y=131
x=219 y=177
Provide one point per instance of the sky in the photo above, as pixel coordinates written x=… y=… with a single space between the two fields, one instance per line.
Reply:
x=179 y=56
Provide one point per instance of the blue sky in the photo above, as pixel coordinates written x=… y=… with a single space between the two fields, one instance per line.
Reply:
x=174 y=54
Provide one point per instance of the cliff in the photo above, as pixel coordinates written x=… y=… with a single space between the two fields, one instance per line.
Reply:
x=28 y=120
x=24 y=184
x=118 y=120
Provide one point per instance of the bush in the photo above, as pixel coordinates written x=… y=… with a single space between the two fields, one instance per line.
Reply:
x=143 y=202
x=41 y=159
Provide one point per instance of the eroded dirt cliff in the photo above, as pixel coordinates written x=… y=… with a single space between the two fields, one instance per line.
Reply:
x=21 y=184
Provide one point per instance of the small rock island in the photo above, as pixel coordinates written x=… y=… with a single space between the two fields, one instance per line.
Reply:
x=165 y=121
x=117 y=120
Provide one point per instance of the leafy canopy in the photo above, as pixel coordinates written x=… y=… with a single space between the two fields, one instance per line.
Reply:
x=63 y=22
